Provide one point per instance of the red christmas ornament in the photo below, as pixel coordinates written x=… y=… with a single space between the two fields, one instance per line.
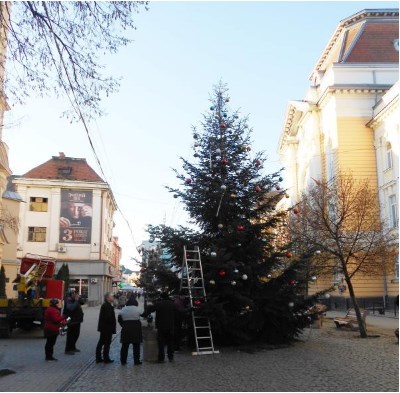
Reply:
x=240 y=227
x=222 y=126
x=142 y=270
x=258 y=162
x=197 y=302
x=289 y=254
x=292 y=282
x=224 y=161
x=258 y=189
x=248 y=148
x=296 y=210
x=278 y=188
x=222 y=273
x=188 y=180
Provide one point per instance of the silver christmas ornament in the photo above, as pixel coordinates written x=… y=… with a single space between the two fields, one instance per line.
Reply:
x=218 y=151
x=212 y=282
x=233 y=283
x=223 y=187
x=213 y=254
x=291 y=304
x=244 y=277
x=220 y=226
x=236 y=271
x=313 y=278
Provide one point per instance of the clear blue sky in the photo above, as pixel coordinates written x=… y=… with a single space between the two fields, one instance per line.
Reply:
x=264 y=51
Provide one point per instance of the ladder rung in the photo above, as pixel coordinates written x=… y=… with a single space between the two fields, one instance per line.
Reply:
x=204 y=337
x=205 y=352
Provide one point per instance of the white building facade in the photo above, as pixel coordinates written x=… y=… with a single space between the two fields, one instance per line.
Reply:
x=85 y=245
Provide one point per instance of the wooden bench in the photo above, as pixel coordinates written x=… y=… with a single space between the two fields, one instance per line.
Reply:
x=350 y=320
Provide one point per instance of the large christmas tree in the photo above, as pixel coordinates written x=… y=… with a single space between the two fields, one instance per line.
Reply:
x=255 y=287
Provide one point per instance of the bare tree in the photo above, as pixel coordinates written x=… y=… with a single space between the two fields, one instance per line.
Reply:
x=56 y=47
x=341 y=220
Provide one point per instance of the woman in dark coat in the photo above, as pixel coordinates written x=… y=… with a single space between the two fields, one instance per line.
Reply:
x=131 y=333
x=107 y=327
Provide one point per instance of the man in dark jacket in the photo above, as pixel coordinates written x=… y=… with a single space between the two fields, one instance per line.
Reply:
x=73 y=309
x=107 y=326
x=165 y=322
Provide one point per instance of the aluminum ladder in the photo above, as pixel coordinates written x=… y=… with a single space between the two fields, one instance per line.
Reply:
x=192 y=286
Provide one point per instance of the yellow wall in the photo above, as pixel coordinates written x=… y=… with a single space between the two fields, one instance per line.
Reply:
x=356 y=150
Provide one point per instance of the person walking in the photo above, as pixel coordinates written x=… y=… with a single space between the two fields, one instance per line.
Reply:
x=131 y=333
x=73 y=309
x=165 y=323
x=107 y=327
x=52 y=322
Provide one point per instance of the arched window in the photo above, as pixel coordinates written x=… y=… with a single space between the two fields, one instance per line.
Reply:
x=389 y=157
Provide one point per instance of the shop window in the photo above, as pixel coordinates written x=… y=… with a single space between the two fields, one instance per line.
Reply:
x=36 y=234
x=38 y=204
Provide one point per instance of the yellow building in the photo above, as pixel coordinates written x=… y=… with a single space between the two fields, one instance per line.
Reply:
x=349 y=120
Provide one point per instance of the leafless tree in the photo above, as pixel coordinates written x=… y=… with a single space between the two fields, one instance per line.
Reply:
x=57 y=47
x=341 y=220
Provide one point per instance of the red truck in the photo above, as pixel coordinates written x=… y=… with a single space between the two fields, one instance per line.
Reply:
x=35 y=286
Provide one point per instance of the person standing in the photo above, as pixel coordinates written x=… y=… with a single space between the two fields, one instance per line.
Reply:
x=73 y=309
x=131 y=333
x=52 y=322
x=181 y=312
x=107 y=326
x=165 y=323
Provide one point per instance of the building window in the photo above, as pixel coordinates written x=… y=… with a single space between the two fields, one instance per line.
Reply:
x=64 y=171
x=36 y=234
x=38 y=204
x=393 y=211
x=389 y=156
x=396 y=266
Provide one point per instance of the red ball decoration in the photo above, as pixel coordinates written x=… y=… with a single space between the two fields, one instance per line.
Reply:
x=278 y=188
x=188 y=180
x=224 y=162
x=142 y=270
x=258 y=162
x=197 y=302
x=240 y=227
x=248 y=148
x=222 y=126
x=296 y=210
x=222 y=273
x=258 y=189
x=292 y=282
x=289 y=254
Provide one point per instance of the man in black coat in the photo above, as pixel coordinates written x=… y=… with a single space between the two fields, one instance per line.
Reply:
x=107 y=327
x=73 y=310
x=165 y=323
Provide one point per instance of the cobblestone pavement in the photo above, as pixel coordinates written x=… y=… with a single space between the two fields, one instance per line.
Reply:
x=24 y=354
x=325 y=359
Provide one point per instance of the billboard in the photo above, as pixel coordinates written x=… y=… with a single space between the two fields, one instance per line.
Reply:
x=76 y=216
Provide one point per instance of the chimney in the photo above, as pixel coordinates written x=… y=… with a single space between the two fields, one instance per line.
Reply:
x=61 y=155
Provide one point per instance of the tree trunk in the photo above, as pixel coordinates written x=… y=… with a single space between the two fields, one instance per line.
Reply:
x=361 y=325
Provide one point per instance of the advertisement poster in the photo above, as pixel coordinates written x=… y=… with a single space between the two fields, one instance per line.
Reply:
x=76 y=216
